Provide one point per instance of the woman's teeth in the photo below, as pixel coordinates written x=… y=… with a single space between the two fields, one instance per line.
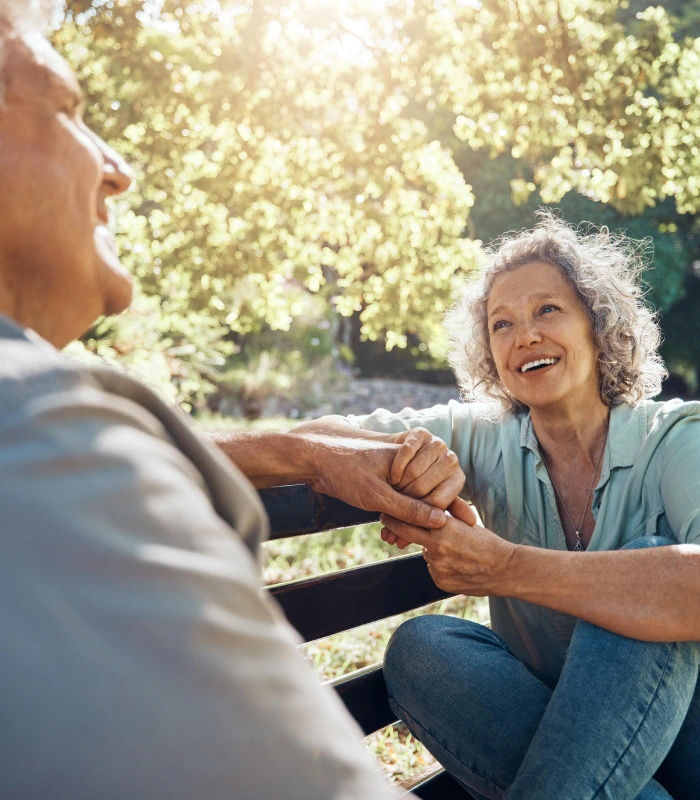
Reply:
x=541 y=362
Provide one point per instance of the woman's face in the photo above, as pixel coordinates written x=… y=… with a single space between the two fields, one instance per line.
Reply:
x=535 y=315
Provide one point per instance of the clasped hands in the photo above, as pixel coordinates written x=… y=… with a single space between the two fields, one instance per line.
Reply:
x=462 y=556
x=412 y=478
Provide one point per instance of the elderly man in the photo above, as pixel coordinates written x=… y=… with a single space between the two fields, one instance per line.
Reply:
x=139 y=658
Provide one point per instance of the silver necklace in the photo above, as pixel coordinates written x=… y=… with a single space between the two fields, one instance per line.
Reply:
x=578 y=547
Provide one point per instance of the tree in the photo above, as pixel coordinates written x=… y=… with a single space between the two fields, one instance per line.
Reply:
x=282 y=148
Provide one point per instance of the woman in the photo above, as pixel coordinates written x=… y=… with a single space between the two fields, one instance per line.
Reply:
x=585 y=685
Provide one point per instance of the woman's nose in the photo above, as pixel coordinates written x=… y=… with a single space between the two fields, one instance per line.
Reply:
x=527 y=335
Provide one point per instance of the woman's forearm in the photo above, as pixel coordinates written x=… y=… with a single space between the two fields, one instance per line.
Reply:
x=649 y=594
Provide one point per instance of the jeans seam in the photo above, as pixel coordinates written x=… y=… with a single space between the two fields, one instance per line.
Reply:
x=447 y=749
x=641 y=722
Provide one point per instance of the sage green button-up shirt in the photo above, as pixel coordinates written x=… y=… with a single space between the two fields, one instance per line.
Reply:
x=649 y=484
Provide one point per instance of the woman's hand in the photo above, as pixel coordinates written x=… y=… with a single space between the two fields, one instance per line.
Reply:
x=424 y=468
x=462 y=557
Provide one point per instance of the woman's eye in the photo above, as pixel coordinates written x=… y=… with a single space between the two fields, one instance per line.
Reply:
x=549 y=307
x=498 y=325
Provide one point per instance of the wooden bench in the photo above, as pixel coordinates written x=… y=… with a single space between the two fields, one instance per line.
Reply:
x=336 y=602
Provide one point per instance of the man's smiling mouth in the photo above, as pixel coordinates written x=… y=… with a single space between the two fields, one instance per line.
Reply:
x=537 y=364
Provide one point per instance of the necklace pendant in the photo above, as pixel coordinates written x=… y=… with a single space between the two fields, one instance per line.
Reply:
x=578 y=547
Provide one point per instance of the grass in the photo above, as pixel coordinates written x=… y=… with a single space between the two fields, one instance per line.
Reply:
x=399 y=755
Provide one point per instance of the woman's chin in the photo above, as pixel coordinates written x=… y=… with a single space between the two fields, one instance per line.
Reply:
x=539 y=399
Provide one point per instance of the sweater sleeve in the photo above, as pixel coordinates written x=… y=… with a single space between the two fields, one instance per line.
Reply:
x=139 y=656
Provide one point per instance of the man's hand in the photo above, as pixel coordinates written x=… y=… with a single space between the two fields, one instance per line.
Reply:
x=358 y=471
x=462 y=557
x=425 y=468
x=353 y=468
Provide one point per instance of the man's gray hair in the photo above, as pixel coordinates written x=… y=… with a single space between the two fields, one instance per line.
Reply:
x=605 y=270
x=26 y=16
x=23 y=17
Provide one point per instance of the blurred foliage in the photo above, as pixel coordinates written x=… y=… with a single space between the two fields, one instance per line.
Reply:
x=681 y=325
x=671 y=237
x=311 y=147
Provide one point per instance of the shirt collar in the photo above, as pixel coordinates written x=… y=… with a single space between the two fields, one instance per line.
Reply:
x=625 y=437
x=9 y=329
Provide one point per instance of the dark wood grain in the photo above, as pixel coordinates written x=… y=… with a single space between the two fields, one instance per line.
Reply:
x=328 y=604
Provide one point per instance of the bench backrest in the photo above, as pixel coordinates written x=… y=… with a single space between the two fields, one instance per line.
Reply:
x=328 y=604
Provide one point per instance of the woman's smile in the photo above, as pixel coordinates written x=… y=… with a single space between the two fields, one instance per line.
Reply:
x=537 y=366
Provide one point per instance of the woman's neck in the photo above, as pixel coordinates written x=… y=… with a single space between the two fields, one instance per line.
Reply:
x=571 y=433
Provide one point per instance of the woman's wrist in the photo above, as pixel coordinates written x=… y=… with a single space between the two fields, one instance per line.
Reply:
x=512 y=566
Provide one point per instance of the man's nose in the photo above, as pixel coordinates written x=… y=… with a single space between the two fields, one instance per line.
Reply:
x=117 y=174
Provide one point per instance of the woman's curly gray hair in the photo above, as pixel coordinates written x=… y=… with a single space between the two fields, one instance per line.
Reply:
x=604 y=269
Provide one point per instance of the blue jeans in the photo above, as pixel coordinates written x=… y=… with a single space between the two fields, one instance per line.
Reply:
x=623 y=721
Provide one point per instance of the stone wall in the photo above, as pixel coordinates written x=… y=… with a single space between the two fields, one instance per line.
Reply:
x=364 y=395
x=342 y=395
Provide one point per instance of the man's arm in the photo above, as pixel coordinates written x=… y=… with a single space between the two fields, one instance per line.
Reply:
x=356 y=470
x=336 y=425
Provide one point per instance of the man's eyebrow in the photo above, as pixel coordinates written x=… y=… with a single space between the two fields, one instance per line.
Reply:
x=538 y=296
x=65 y=85
x=72 y=91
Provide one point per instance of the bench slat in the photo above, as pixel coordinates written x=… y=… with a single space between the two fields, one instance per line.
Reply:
x=328 y=604
x=296 y=509
x=364 y=695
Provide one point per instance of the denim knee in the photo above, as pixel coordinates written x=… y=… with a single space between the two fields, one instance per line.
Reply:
x=643 y=542
x=415 y=643
x=409 y=645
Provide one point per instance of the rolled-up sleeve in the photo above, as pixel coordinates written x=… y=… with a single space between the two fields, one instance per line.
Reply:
x=139 y=657
x=680 y=482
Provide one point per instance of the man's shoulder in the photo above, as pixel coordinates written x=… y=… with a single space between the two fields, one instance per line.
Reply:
x=43 y=392
x=31 y=368
x=35 y=378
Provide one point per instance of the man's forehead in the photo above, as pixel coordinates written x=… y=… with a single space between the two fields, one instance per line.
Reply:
x=32 y=56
